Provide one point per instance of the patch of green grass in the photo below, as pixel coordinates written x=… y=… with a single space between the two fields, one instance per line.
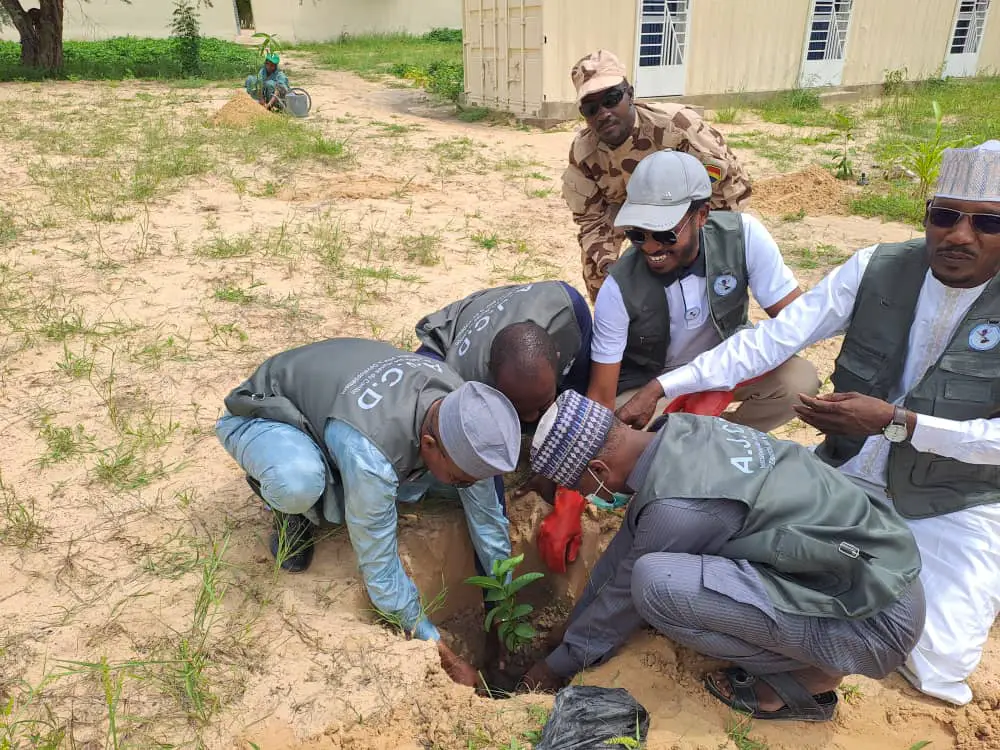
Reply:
x=820 y=256
x=454 y=149
x=19 y=522
x=123 y=468
x=422 y=248
x=727 y=115
x=486 y=240
x=897 y=203
x=132 y=57
x=794 y=216
x=473 y=114
x=62 y=443
x=229 y=292
x=738 y=731
x=851 y=693
x=799 y=107
x=75 y=365
x=8 y=229
x=433 y=61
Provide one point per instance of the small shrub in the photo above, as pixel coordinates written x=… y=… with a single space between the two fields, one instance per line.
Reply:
x=185 y=31
x=510 y=617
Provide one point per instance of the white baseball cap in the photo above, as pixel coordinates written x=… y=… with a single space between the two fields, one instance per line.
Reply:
x=661 y=190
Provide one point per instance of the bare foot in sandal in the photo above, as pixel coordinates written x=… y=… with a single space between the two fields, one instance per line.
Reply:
x=813 y=680
x=804 y=695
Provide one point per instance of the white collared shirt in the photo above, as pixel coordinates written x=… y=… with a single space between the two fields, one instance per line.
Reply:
x=825 y=311
x=691 y=328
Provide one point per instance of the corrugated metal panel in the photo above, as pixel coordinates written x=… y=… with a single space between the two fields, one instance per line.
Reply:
x=503 y=55
x=892 y=34
x=989 y=49
x=575 y=27
x=745 y=46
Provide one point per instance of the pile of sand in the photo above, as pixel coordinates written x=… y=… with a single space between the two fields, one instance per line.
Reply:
x=241 y=110
x=813 y=190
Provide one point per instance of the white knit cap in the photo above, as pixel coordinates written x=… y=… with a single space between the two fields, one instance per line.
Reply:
x=970 y=174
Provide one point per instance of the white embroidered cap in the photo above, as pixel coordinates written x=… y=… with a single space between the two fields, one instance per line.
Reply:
x=970 y=174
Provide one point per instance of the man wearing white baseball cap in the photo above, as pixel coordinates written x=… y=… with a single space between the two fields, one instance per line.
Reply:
x=914 y=418
x=681 y=289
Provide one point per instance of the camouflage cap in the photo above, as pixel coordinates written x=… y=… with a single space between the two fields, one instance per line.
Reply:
x=597 y=71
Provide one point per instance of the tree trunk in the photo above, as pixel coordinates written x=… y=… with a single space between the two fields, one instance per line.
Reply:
x=41 y=31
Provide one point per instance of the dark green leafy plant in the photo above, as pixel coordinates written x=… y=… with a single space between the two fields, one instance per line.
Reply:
x=185 y=30
x=509 y=617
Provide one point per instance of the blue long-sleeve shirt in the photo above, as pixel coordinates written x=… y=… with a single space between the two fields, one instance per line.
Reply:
x=370 y=491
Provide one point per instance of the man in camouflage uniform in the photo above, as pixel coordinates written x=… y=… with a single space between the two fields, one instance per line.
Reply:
x=619 y=133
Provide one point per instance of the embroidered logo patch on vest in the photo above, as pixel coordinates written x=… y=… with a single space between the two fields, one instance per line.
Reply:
x=724 y=284
x=984 y=338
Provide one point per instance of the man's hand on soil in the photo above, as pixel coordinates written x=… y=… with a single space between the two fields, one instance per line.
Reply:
x=458 y=670
x=639 y=410
x=541 y=679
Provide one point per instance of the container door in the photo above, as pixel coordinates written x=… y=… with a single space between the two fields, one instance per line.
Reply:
x=663 y=32
x=963 y=54
x=826 y=43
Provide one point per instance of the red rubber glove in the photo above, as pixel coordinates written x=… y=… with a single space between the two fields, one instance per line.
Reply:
x=561 y=532
x=706 y=403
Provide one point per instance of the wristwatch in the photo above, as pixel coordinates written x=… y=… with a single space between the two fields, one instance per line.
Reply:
x=896 y=431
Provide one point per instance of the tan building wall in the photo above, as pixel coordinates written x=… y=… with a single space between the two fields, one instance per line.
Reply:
x=989 y=48
x=575 y=27
x=323 y=20
x=102 y=19
x=745 y=46
x=891 y=34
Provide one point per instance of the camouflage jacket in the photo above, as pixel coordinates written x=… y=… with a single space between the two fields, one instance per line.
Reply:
x=594 y=183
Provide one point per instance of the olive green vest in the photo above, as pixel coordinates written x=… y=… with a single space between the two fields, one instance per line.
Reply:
x=382 y=392
x=963 y=384
x=646 y=301
x=821 y=546
x=462 y=333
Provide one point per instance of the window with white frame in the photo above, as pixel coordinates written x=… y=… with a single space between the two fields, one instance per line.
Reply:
x=828 y=30
x=969 y=25
x=662 y=35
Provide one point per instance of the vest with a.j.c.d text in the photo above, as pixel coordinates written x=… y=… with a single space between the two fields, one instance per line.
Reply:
x=462 y=333
x=645 y=300
x=963 y=384
x=382 y=392
x=820 y=545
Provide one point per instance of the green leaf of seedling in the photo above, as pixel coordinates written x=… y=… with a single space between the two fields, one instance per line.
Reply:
x=503 y=567
x=524 y=631
x=521 y=611
x=484 y=582
x=521 y=581
x=496 y=595
x=490 y=616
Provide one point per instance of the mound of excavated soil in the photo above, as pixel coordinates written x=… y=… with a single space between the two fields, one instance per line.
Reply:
x=813 y=190
x=241 y=110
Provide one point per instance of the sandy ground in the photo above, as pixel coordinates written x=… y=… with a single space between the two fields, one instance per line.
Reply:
x=118 y=340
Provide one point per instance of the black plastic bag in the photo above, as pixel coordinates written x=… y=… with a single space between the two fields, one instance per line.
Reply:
x=585 y=718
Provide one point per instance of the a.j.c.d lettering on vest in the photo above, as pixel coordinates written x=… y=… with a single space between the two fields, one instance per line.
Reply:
x=382 y=392
x=821 y=546
x=727 y=279
x=463 y=331
x=963 y=384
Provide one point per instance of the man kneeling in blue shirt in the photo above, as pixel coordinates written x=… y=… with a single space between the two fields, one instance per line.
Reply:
x=342 y=429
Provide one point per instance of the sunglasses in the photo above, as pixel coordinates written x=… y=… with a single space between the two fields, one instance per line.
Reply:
x=945 y=218
x=611 y=99
x=638 y=236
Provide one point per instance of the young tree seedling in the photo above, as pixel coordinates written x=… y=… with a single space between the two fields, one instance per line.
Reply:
x=509 y=617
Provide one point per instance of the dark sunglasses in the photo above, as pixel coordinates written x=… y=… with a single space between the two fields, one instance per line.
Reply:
x=611 y=99
x=945 y=218
x=668 y=237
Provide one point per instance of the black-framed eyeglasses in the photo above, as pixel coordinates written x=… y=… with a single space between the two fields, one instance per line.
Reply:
x=669 y=237
x=611 y=99
x=945 y=218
